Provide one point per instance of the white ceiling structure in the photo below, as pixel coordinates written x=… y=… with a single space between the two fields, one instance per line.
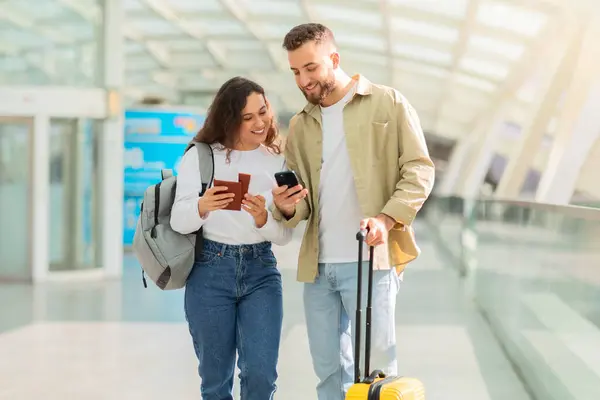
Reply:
x=453 y=59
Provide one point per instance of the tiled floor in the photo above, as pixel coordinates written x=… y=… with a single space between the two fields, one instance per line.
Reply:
x=118 y=340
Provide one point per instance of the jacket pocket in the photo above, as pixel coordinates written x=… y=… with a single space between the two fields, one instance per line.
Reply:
x=380 y=140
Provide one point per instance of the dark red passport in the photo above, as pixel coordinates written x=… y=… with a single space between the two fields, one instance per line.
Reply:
x=232 y=187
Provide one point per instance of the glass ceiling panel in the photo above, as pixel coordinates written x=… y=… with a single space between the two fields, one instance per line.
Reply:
x=192 y=60
x=355 y=17
x=373 y=43
x=183 y=6
x=138 y=78
x=357 y=56
x=421 y=64
x=133 y=5
x=154 y=27
x=22 y=38
x=506 y=16
x=273 y=8
x=241 y=45
x=273 y=31
x=419 y=28
x=181 y=45
x=452 y=8
x=65 y=15
x=77 y=31
x=249 y=60
x=133 y=47
x=423 y=54
x=493 y=70
x=510 y=50
x=140 y=63
x=215 y=27
x=418 y=68
x=34 y=9
x=475 y=83
x=468 y=96
x=457 y=113
x=423 y=86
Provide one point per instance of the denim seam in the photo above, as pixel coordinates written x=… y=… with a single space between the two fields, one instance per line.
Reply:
x=241 y=355
x=339 y=343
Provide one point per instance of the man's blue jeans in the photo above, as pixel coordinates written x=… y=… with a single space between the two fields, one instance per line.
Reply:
x=330 y=308
x=233 y=301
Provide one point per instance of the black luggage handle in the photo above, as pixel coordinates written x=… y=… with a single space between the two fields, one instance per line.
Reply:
x=360 y=237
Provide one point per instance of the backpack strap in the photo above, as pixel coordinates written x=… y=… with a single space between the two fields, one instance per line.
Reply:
x=166 y=174
x=206 y=161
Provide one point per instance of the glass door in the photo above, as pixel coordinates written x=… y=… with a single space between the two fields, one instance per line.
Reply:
x=15 y=201
x=72 y=209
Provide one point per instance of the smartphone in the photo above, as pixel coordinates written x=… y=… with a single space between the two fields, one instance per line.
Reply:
x=288 y=178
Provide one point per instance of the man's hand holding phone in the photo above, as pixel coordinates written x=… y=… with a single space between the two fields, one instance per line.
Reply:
x=288 y=193
x=285 y=199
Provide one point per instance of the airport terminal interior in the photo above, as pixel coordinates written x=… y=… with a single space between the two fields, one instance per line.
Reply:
x=98 y=96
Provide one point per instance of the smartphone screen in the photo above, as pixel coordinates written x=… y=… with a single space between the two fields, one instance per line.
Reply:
x=288 y=178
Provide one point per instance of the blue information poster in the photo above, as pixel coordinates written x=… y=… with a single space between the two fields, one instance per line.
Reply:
x=154 y=140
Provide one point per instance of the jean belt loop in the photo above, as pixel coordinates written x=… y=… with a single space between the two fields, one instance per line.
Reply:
x=255 y=251
x=223 y=249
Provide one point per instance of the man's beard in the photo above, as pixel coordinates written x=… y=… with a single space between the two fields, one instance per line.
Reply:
x=327 y=86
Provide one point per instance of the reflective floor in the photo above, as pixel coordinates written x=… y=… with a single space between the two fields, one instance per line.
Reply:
x=118 y=340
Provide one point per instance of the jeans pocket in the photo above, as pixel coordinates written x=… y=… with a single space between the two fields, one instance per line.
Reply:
x=207 y=257
x=268 y=259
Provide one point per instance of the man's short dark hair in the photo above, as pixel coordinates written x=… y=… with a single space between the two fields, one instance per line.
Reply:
x=311 y=32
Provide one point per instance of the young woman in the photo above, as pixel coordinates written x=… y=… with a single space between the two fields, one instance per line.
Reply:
x=233 y=297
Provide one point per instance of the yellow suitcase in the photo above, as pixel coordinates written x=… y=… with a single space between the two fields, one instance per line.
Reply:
x=375 y=385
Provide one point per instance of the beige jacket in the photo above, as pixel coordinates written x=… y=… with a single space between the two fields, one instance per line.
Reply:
x=392 y=170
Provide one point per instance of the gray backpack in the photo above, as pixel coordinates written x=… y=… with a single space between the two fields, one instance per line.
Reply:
x=166 y=256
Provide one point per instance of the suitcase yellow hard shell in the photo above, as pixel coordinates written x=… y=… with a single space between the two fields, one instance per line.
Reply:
x=376 y=385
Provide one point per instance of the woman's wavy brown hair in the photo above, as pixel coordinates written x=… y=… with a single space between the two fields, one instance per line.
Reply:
x=224 y=116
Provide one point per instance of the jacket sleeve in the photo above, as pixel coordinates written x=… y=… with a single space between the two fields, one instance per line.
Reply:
x=291 y=158
x=417 y=171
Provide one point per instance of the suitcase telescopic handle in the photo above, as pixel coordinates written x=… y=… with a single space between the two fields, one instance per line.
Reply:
x=360 y=237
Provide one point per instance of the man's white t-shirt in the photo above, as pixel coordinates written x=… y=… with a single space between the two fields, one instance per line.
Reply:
x=339 y=209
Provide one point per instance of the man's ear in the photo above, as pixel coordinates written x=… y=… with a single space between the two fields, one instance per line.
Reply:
x=335 y=59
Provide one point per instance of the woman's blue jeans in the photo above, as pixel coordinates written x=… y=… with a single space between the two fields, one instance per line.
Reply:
x=233 y=301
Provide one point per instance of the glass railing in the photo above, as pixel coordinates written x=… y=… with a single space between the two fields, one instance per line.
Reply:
x=534 y=272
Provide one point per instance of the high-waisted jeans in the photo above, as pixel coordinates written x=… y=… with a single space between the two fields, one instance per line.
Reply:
x=233 y=301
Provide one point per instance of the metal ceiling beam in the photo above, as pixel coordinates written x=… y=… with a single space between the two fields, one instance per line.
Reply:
x=91 y=13
x=550 y=7
x=242 y=17
x=159 y=52
x=384 y=8
x=521 y=72
x=460 y=49
x=309 y=12
x=164 y=10
x=24 y=21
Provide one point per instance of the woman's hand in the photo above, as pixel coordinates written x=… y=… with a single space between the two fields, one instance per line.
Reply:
x=212 y=201
x=255 y=206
